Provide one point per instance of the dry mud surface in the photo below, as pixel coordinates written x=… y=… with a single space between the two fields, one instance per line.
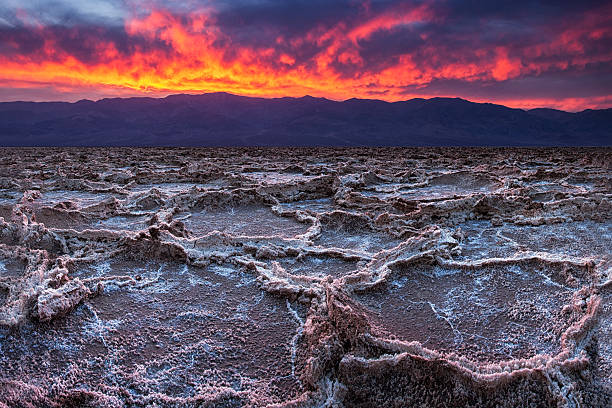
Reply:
x=305 y=277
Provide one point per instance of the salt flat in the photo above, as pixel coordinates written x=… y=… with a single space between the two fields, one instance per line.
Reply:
x=305 y=277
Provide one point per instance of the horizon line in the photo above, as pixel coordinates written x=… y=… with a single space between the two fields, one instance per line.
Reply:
x=161 y=96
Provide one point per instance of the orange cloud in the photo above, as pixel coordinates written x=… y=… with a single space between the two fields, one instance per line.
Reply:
x=197 y=56
x=566 y=104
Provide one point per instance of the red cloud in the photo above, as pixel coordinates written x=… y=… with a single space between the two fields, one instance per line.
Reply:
x=197 y=56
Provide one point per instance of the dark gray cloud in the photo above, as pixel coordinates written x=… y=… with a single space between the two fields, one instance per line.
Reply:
x=63 y=12
x=554 y=49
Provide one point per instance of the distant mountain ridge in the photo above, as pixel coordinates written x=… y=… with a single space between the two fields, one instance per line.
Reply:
x=222 y=119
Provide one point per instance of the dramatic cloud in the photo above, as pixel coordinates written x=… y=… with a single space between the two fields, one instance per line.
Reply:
x=523 y=54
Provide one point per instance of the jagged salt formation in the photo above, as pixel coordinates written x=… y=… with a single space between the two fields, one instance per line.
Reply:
x=305 y=277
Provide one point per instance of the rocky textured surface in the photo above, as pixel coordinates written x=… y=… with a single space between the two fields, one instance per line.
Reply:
x=305 y=277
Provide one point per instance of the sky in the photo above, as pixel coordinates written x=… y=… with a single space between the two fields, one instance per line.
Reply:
x=523 y=54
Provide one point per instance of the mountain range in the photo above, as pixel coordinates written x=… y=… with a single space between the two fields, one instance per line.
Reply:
x=222 y=119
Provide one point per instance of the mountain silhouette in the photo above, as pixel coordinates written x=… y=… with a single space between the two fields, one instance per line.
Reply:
x=222 y=119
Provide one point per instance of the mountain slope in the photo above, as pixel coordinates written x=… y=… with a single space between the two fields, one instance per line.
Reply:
x=221 y=119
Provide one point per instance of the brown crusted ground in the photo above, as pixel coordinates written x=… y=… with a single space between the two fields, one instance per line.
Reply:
x=305 y=277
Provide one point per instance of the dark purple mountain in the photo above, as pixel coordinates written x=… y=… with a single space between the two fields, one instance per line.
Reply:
x=221 y=119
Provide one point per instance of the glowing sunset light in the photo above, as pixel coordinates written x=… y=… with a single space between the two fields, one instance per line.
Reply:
x=527 y=57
